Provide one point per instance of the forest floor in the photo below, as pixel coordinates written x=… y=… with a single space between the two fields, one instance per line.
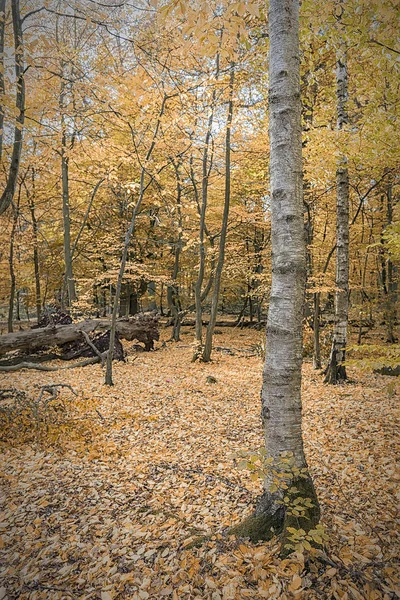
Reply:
x=103 y=493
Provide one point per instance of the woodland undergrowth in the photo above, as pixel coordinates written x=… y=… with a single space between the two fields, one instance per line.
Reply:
x=106 y=493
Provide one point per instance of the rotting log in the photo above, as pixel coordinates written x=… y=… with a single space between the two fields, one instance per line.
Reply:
x=142 y=327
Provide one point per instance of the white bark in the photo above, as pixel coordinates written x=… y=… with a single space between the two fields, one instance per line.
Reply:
x=281 y=390
x=9 y=191
x=281 y=399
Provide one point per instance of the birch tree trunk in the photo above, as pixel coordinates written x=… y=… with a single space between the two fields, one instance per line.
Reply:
x=336 y=370
x=9 y=191
x=281 y=390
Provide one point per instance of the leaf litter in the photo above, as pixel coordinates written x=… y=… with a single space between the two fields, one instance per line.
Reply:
x=128 y=492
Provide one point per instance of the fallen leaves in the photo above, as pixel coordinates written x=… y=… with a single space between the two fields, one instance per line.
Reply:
x=114 y=509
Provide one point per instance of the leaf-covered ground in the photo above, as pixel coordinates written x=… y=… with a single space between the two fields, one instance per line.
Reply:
x=103 y=494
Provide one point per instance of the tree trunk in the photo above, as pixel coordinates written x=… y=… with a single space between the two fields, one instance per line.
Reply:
x=204 y=200
x=12 y=271
x=131 y=228
x=221 y=256
x=31 y=203
x=391 y=285
x=317 y=346
x=69 y=277
x=9 y=191
x=281 y=390
x=336 y=370
x=173 y=288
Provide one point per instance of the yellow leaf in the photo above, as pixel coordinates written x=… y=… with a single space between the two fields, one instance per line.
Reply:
x=296 y=583
x=330 y=572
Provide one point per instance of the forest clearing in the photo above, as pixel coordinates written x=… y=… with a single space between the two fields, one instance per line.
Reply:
x=107 y=502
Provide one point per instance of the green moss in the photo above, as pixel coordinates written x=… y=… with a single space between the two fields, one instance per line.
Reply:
x=306 y=489
x=265 y=526
x=259 y=527
x=198 y=541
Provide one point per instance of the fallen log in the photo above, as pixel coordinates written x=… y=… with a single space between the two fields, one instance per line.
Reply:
x=142 y=327
x=37 y=367
x=97 y=346
x=189 y=322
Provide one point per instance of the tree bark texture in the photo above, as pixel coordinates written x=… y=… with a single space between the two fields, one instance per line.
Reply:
x=9 y=191
x=281 y=390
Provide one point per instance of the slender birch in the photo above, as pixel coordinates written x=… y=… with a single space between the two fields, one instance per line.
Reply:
x=9 y=191
x=281 y=390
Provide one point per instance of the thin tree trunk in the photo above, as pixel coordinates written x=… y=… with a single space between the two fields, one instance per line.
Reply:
x=86 y=217
x=12 y=271
x=18 y=306
x=222 y=241
x=316 y=328
x=31 y=203
x=161 y=299
x=69 y=277
x=173 y=289
x=131 y=228
x=391 y=285
x=281 y=390
x=336 y=370
x=204 y=200
x=9 y=191
x=241 y=314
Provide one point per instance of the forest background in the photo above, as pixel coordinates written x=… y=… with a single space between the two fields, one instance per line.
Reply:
x=153 y=118
x=131 y=102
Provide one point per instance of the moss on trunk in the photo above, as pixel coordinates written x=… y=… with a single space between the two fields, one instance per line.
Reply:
x=260 y=527
x=269 y=520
